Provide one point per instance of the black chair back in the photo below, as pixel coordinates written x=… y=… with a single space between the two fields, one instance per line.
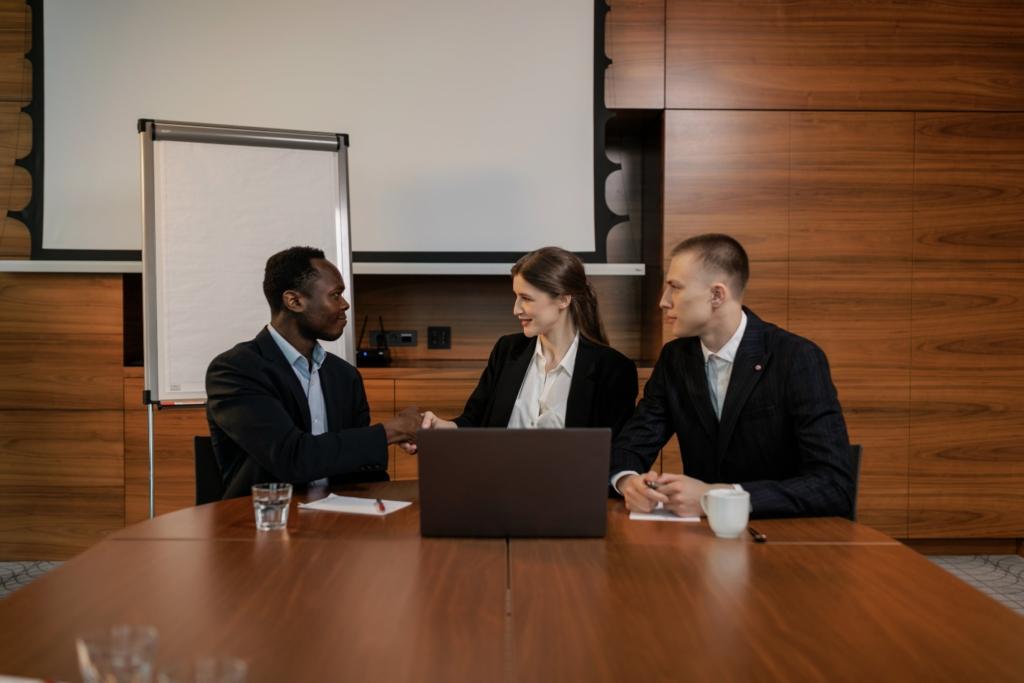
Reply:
x=856 y=451
x=209 y=481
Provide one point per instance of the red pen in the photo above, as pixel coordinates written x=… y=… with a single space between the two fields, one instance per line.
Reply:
x=380 y=506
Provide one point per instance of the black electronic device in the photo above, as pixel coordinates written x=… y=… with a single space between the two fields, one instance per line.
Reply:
x=373 y=357
x=483 y=482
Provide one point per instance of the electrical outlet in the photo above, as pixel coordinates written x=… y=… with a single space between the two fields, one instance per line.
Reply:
x=393 y=338
x=439 y=337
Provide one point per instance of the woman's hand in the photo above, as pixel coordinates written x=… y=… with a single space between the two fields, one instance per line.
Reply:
x=430 y=421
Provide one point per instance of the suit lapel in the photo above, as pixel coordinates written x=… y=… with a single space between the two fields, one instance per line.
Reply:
x=697 y=387
x=581 y=389
x=335 y=403
x=748 y=367
x=279 y=365
x=509 y=382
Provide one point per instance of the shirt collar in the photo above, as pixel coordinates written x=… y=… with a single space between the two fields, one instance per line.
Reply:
x=293 y=356
x=568 y=361
x=728 y=352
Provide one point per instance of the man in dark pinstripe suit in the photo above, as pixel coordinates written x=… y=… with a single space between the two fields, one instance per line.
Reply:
x=752 y=405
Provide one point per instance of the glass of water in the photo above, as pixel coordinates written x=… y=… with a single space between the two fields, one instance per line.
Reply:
x=271 y=502
x=119 y=654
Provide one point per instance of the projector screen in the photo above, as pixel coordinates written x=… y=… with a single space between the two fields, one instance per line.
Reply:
x=471 y=122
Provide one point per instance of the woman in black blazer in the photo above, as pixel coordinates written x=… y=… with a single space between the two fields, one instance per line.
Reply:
x=560 y=372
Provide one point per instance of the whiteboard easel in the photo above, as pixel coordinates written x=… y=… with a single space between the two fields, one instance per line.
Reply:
x=217 y=201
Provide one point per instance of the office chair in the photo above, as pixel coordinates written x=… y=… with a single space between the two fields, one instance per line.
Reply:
x=209 y=482
x=856 y=451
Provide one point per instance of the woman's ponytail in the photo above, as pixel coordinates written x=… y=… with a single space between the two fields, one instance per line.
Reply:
x=557 y=272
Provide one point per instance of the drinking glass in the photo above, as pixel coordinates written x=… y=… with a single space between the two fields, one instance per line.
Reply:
x=271 y=502
x=118 y=654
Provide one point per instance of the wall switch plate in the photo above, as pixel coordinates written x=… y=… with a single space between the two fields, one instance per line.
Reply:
x=393 y=338
x=439 y=337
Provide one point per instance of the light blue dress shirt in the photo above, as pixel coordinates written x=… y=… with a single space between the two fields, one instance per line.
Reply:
x=309 y=377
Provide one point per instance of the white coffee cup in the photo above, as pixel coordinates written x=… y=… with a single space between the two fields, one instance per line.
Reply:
x=728 y=511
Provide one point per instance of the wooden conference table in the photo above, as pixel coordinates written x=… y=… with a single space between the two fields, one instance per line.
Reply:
x=358 y=598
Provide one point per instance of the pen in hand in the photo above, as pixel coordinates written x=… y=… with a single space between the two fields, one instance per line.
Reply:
x=380 y=506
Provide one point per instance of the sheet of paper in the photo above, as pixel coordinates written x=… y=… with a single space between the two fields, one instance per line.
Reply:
x=356 y=506
x=661 y=515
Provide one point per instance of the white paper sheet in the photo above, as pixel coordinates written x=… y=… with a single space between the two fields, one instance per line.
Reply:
x=660 y=514
x=356 y=506
x=222 y=210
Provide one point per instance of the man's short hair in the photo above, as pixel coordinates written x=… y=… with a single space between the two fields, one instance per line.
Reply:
x=289 y=269
x=720 y=254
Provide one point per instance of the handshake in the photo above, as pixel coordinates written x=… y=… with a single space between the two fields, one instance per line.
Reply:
x=402 y=428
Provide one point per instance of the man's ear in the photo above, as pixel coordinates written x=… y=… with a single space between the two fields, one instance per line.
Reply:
x=293 y=301
x=718 y=294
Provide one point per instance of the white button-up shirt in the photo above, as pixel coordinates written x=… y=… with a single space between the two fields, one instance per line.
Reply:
x=308 y=375
x=723 y=361
x=543 y=395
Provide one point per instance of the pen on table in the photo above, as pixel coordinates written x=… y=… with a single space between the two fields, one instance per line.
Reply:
x=758 y=536
x=380 y=506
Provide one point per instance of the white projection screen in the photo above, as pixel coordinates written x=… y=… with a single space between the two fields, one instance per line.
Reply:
x=471 y=121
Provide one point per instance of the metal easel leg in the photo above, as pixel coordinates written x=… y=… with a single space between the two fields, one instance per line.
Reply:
x=151 y=499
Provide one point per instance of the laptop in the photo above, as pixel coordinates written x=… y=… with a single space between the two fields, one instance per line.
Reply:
x=514 y=482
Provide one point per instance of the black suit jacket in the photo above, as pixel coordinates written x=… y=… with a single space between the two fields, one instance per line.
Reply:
x=602 y=393
x=782 y=436
x=260 y=424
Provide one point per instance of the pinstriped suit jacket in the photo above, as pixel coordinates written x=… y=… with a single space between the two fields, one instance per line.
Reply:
x=781 y=436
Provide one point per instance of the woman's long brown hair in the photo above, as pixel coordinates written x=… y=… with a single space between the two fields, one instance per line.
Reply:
x=556 y=272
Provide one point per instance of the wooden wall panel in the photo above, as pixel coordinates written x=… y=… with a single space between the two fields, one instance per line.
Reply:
x=967 y=458
x=15 y=41
x=64 y=473
x=729 y=172
x=60 y=439
x=902 y=55
x=173 y=465
x=967 y=462
x=969 y=201
x=851 y=241
x=852 y=187
x=15 y=126
x=60 y=341
x=862 y=324
x=380 y=393
x=445 y=398
x=635 y=42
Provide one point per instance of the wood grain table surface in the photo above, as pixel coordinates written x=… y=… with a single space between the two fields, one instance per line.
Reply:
x=234 y=520
x=360 y=598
